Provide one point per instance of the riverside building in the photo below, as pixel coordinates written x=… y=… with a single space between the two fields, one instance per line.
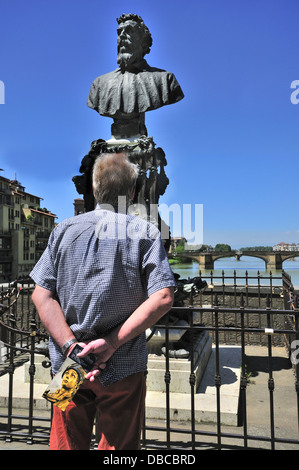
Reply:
x=24 y=230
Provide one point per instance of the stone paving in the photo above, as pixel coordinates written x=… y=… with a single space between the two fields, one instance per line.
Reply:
x=258 y=416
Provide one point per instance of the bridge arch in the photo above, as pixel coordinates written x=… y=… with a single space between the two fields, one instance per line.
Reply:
x=286 y=257
x=238 y=257
x=206 y=260
x=223 y=255
x=255 y=255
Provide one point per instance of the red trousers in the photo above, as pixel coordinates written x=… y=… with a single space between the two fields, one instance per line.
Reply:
x=120 y=408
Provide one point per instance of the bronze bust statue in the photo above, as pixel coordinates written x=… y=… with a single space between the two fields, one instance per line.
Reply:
x=125 y=95
x=134 y=88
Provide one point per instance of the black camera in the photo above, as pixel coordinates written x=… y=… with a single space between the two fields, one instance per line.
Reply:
x=86 y=362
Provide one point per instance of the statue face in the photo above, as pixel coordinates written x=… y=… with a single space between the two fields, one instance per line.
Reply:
x=129 y=44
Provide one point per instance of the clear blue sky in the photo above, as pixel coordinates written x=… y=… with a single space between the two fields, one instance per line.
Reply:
x=232 y=142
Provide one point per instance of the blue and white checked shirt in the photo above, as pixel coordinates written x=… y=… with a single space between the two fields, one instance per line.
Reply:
x=103 y=265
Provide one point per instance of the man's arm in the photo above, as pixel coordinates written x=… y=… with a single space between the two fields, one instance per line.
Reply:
x=51 y=315
x=146 y=315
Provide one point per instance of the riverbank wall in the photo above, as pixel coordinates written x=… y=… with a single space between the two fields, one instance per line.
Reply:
x=253 y=306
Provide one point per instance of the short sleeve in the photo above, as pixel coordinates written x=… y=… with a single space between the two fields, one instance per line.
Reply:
x=44 y=272
x=156 y=270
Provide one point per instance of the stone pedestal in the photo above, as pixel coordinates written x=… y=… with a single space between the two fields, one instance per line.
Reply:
x=180 y=368
x=151 y=182
x=42 y=374
x=2 y=352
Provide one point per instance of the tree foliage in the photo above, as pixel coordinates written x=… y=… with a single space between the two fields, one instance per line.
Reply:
x=222 y=247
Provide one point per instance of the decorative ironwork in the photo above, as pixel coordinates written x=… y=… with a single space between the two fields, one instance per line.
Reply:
x=22 y=337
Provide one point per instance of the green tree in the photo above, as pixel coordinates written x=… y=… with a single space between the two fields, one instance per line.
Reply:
x=222 y=247
x=180 y=248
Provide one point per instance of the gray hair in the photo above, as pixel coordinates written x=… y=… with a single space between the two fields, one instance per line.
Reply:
x=113 y=176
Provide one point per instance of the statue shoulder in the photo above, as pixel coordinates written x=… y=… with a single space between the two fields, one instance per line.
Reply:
x=100 y=87
x=105 y=78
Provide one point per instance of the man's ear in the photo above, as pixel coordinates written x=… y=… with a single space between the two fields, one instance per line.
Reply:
x=133 y=192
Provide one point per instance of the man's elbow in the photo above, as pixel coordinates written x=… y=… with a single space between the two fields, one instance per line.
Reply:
x=34 y=296
x=167 y=298
x=40 y=295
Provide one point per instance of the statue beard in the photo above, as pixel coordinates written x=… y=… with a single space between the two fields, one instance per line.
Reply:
x=126 y=59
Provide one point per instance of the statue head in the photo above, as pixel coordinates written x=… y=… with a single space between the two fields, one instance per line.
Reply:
x=134 y=40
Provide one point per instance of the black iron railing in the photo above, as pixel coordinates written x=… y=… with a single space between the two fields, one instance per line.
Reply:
x=226 y=312
x=195 y=431
x=21 y=334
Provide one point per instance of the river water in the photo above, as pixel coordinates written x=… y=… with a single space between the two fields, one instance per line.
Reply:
x=246 y=263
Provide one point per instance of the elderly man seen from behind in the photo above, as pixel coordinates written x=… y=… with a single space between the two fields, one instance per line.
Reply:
x=100 y=287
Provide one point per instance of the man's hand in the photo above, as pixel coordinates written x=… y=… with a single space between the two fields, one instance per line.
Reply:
x=146 y=315
x=103 y=349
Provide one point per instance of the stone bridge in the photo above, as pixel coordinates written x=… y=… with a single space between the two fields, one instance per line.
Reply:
x=206 y=260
